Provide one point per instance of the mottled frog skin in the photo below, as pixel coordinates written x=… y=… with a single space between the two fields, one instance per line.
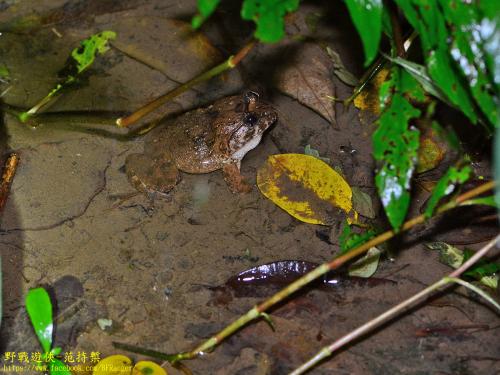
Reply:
x=202 y=141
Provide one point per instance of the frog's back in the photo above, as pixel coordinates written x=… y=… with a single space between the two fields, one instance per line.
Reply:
x=189 y=140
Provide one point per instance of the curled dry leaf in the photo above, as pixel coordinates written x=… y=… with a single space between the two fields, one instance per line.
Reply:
x=305 y=187
x=309 y=80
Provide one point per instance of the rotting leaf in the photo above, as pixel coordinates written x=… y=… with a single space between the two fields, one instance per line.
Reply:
x=340 y=70
x=306 y=187
x=309 y=80
x=446 y=185
x=367 y=265
x=431 y=151
x=362 y=203
x=308 y=150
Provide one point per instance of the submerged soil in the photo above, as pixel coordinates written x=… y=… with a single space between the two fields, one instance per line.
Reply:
x=74 y=224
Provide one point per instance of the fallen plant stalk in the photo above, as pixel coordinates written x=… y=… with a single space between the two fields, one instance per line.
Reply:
x=258 y=311
x=446 y=281
x=230 y=63
x=9 y=171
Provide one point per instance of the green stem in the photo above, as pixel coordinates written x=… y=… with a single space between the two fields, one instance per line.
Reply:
x=230 y=63
x=257 y=311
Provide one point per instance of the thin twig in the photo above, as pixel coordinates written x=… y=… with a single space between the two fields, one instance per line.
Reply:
x=257 y=311
x=393 y=312
x=230 y=63
x=9 y=170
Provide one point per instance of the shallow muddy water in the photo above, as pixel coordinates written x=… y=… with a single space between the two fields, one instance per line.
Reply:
x=74 y=223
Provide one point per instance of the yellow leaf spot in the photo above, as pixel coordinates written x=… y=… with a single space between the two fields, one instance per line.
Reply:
x=368 y=99
x=306 y=187
x=148 y=368
x=113 y=365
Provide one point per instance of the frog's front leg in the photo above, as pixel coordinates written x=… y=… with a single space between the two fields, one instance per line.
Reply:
x=234 y=179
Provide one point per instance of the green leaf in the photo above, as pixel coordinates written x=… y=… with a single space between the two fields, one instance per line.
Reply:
x=269 y=17
x=89 y=48
x=395 y=146
x=205 y=9
x=419 y=72
x=39 y=308
x=1 y=297
x=470 y=28
x=445 y=186
x=486 y=201
x=57 y=367
x=427 y=18
x=349 y=240
x=82 y=58
x=367 y=17
x=483 y=270
x=496 y=157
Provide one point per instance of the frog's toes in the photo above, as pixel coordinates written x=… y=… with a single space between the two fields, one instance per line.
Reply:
x=150 y=175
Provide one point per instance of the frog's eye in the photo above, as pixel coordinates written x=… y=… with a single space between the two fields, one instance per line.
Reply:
x=250 y=119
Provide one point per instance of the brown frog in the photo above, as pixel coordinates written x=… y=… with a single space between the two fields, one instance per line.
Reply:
x=202 y=141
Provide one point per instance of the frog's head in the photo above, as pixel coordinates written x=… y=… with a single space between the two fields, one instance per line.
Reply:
x=253 y=118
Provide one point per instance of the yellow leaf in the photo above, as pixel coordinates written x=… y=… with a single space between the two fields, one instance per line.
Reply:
x=148 y=368
x=306 y=187
x=113 y=365
x=368 y=98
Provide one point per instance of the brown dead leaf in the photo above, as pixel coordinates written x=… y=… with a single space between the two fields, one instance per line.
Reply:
x=309 y=80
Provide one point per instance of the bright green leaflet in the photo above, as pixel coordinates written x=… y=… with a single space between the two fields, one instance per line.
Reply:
x=367 y=17
x=39 y=310
x=85 y=55
x=349 y=240
x=395 y=145
x=205 y=9
x=269 y=17
x=446 y=185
